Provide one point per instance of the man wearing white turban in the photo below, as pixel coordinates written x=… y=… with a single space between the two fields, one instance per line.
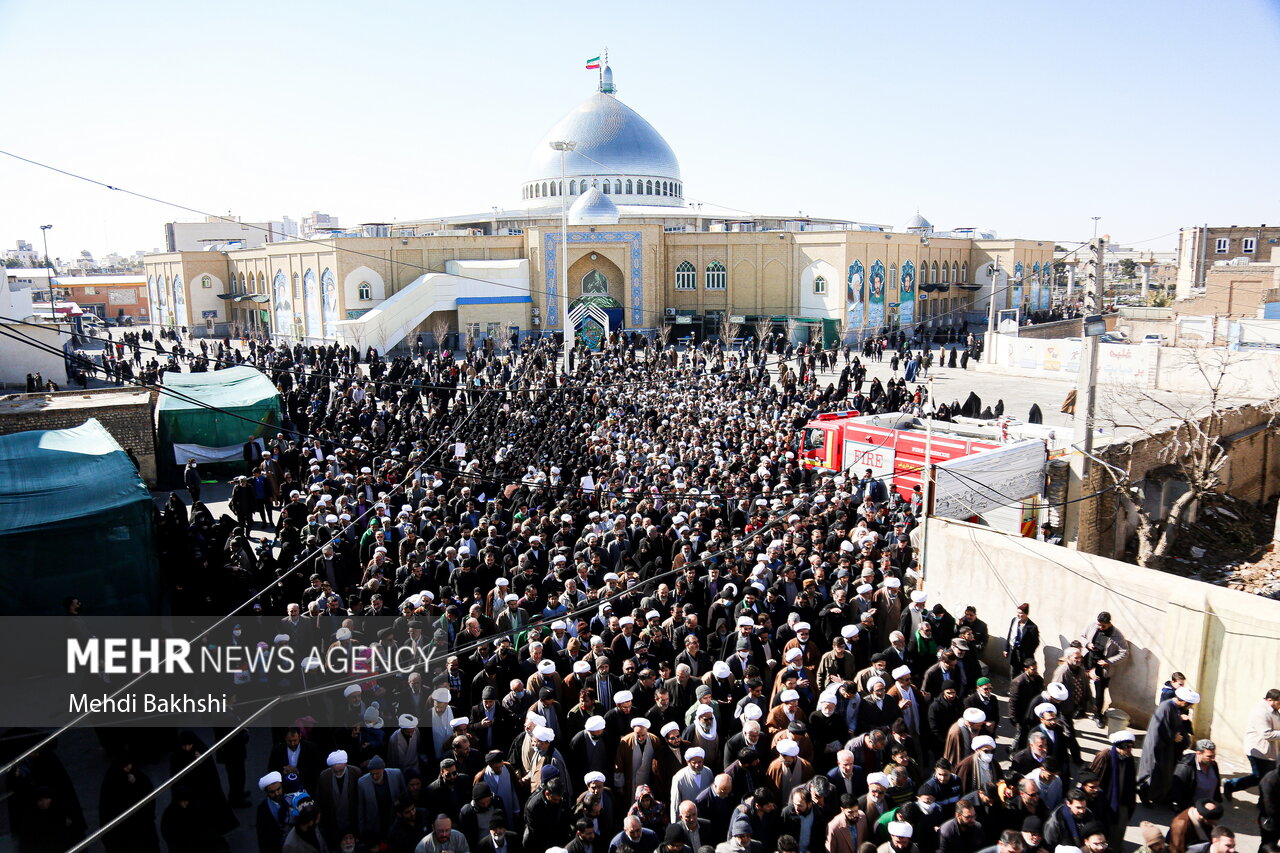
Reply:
x=1168 y=736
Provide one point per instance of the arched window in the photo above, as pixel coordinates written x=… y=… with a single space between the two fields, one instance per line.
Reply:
x=573 y=188
x=629 y=186
x=262 y=283
x=205 y=281
x=955 y=272
x=946 y=274
x=933 y=274
x=819 y=285
x=964 y=272
x=648 y=187
x=242 y=282
x=554 y=188
x=606 y=187
x=686 y=276
x=893 y=274
x=297 y=287
x=546 y=191
x=717 y=277
x=364 y=291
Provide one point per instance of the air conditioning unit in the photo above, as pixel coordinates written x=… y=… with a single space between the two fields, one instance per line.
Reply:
x=670 y=312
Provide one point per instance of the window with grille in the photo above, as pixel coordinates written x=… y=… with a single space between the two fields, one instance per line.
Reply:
x=717 y=276
x=686 y=277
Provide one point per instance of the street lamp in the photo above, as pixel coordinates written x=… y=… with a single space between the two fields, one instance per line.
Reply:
x=564 y=146
x=989 y=352
x=53 y=294
x=1095 y=226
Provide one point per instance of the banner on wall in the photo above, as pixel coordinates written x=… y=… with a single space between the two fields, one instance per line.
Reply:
x=1018 y=270
x=875 y=300
x=907 y=294
x=1046 y=292
x=1035 y=286
x=854 y=286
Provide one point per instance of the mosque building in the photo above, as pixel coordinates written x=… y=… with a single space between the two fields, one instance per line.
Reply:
x=639 y=258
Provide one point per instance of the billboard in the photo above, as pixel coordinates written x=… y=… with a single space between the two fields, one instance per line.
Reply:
x=972 y=485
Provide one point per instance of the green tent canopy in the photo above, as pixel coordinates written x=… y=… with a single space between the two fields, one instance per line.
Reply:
x=215 y=439
x=75 y=519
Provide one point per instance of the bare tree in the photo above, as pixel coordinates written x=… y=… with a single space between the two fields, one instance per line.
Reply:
x=841 y=329
x=470 y=338
x=440 y=329
x=763 y=326
x=729 y=330
x=1185 y=431
x=663 y=335
x=793 y=326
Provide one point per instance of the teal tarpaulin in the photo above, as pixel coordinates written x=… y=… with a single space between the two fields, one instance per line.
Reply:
x=75 y=520
x=233 y=405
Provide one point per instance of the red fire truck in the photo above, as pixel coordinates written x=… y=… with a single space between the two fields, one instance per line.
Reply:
x=998 y=466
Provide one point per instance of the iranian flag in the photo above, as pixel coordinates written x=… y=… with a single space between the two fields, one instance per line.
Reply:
x=593 y=63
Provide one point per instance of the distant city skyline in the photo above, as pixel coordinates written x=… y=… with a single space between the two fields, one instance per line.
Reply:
x=1024 y=119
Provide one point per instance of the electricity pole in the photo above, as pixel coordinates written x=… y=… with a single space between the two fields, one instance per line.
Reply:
x=53 y=294
x=564 y=147
x=1086 y=387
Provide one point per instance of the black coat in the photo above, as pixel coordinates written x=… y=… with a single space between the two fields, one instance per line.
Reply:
x=1026 y=648
x=270 y=831
x=1023 y=691
x=310 y=764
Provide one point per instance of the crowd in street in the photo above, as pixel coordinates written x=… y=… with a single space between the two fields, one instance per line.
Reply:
x=647 y=627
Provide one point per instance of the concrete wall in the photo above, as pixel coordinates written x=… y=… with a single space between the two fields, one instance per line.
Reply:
x=19 y=357
x=127 y=415
x=1250 y=375
x=1227 y=642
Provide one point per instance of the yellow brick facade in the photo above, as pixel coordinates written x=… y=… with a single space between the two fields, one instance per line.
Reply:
x=767 y=273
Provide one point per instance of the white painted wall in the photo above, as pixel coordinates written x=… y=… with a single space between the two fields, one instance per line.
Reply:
x=201 y=299
x=386 y=325
x=489 y=279
x=351 y=288
x=829 y=304
x=1251 y=374
x=17 y=359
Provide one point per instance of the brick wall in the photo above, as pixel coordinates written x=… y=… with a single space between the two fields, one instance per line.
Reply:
x=1252 y=474
x=127 y=416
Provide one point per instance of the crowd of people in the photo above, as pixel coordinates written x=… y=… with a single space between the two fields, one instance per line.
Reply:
x=646 y=627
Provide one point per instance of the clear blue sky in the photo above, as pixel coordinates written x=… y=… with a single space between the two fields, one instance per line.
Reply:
x=1025 y=117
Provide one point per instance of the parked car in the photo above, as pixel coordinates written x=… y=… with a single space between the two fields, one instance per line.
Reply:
x=1153 y=340
x=1114 y=338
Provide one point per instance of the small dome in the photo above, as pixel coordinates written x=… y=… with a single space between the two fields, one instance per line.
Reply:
x=918 y=224
x=593 y=208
